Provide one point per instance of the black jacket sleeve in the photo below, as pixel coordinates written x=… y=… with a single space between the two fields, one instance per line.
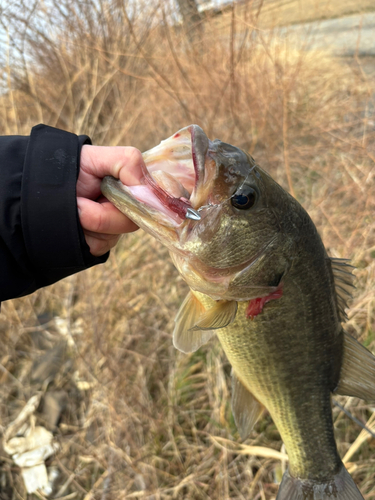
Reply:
x=41 y=240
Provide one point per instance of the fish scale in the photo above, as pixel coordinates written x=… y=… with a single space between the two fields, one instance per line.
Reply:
x=260 y=365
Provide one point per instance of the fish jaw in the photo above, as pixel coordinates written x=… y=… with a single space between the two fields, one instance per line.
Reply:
x=164 y=202
x=150 y=219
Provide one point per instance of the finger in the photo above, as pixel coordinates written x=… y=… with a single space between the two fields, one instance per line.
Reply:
x=99 y=246
x=122 y=162
x=101 y=236
x=103 y=217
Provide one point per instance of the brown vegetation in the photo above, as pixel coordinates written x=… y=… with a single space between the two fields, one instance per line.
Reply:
x=142 y=420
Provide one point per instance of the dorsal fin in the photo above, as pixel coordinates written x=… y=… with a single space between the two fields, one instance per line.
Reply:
x=343 y=276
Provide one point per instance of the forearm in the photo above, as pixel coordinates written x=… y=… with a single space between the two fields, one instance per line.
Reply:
x=41 y=240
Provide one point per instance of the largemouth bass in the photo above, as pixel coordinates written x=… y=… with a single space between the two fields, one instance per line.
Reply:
x=261 y=279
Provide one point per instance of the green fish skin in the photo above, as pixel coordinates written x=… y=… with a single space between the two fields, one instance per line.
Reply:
x=261 y=279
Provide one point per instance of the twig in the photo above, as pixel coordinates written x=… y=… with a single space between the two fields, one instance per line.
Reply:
x=352 y=417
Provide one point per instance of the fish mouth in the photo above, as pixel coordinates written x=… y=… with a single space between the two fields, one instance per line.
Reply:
x=169 y=189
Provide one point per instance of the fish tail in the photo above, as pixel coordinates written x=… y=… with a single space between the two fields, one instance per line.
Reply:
x=340 y=487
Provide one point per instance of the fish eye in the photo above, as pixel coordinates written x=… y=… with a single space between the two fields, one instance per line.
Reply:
x=244 y=198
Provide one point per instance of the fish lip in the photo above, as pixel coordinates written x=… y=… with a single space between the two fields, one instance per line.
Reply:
x=143 y=215
x=199 y=149
x=119 y=194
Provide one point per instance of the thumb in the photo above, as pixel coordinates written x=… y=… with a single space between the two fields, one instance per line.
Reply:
x=122 y=162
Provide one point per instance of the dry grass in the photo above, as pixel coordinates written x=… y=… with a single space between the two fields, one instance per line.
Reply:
x=142 y=420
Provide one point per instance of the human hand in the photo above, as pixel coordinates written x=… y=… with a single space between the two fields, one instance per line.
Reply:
x=102 y=223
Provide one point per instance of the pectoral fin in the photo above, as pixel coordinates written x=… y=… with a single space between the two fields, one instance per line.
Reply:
x=220 y=315
x=357 y=375
x=185 y=338
x=246 y=409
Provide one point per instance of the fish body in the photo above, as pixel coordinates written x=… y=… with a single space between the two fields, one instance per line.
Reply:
x=260 y=278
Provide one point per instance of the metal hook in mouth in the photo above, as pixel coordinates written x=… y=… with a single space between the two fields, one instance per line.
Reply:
x=192 y=214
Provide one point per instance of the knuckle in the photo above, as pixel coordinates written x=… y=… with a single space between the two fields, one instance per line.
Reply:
x=99 y=223
x=134 y=156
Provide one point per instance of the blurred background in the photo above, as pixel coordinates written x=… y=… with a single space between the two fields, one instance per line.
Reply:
x=290 y=81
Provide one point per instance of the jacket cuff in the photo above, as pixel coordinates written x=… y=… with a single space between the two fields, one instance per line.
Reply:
x=52 y=233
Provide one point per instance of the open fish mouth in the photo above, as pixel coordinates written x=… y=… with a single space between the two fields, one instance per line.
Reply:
x=183 y=199
x=169 y=190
